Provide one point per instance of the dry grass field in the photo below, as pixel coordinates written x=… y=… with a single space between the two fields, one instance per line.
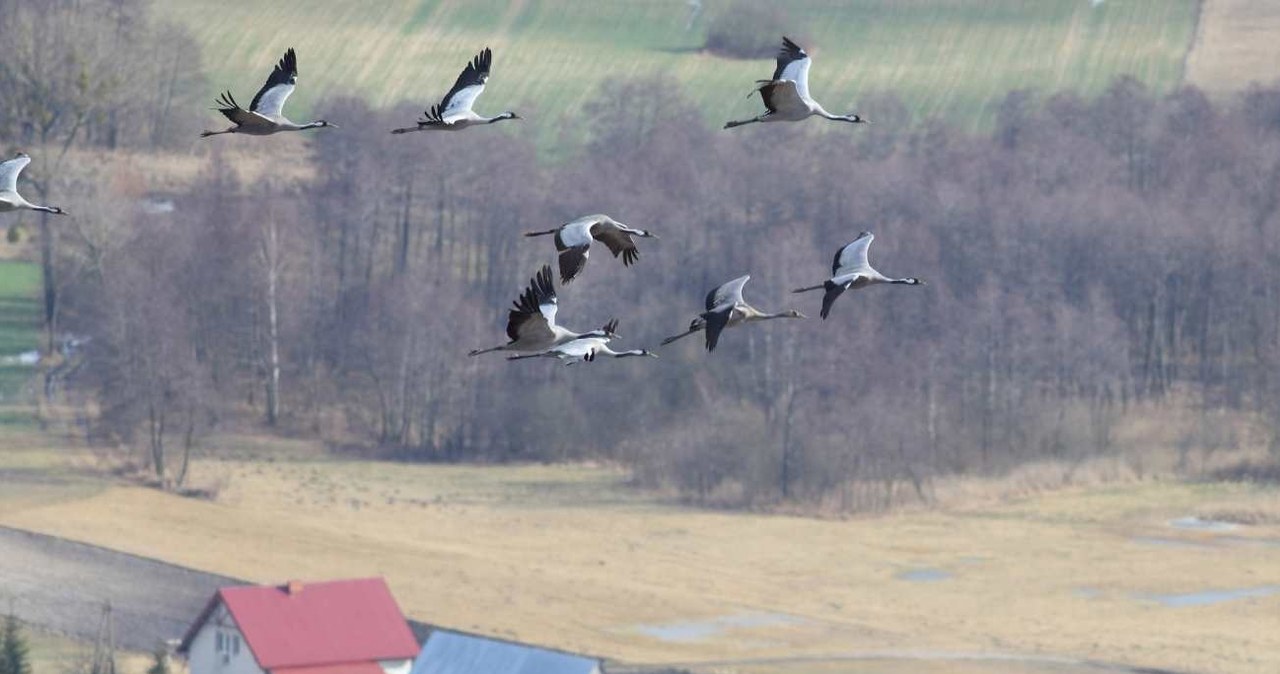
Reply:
x=952 y=58
x=569 y=556
x=56 y=654
x=1235 y=45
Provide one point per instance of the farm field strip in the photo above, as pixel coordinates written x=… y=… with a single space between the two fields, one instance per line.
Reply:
x=551 y=555
x=553 y=55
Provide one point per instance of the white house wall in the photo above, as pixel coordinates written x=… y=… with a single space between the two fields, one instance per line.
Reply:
x=394 y=666
x=203 y=657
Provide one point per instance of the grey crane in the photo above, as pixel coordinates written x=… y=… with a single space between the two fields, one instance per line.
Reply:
x=587 y=349
x=453 y=112
x=265 y=115
x=10 y=200
x=786 y=95
x=851 y=271
x=573 y=240
x=531 y=323
x=727 y=309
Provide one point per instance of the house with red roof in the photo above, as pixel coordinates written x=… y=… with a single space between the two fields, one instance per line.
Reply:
x=335 y=627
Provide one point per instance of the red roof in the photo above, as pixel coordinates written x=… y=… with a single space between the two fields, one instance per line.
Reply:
x=342 y=622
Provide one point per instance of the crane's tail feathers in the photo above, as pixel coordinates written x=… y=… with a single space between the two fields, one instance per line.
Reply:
x=805 y=290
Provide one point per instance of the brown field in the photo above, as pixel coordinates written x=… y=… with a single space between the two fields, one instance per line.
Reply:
x=1235 y=45
x=570 y=557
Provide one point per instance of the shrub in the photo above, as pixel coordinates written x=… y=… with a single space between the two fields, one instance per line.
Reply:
x=748 y=30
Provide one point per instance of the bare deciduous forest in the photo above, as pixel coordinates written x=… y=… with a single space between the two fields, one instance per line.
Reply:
x=1084 y=257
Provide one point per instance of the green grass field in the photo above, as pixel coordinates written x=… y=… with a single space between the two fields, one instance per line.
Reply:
x=19 y=327
x=951 y=58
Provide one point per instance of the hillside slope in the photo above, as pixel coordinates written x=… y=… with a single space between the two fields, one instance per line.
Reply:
x=948 y=58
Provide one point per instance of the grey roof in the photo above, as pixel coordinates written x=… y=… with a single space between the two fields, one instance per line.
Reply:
x=452 y=653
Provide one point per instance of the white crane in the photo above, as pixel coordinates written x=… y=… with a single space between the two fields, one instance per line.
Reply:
x=10 y=200
x=787 y=95
x=573 y=240
x=531 y=325
x=587 y=349
x=727 y=309
x=265 y=115
x=850 y=270
x=454 y=111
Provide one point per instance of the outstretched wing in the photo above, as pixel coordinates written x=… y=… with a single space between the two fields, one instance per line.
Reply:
x=534 y=313
x=572 y=261
x=793 y=64
x=618 y=242
x=833 y=290
x=716 y=322
x=230 y=109
x=729 y=293
x=9 y=171
x=853 y=257
x=573 y=240
x=271 y=97
x=469 y=86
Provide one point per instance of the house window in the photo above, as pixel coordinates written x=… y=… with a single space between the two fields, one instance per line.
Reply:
x=218 y=642
x=235 y=645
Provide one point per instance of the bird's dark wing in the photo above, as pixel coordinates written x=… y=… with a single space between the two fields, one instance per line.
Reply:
x=572 y=261
x=469 y=85
x=535 y=309
x=833 y=291
x=716 y=321
x=618 y=243
x=271 y=97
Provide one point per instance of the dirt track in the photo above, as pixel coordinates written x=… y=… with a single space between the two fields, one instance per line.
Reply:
x=61 y=585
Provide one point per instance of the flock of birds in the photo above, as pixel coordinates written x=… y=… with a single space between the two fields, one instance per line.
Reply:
x=532 y=330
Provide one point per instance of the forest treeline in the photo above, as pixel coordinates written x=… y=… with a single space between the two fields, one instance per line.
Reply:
x=1084 y=256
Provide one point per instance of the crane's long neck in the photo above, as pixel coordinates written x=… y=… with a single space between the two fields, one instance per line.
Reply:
x=621 y=354
x=760 y=316
x=821 y=112
x=499 y=118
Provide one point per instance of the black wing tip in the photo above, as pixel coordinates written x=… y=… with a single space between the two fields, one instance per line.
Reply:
x=482 y=61
x=226 y=102
x=289 y=63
